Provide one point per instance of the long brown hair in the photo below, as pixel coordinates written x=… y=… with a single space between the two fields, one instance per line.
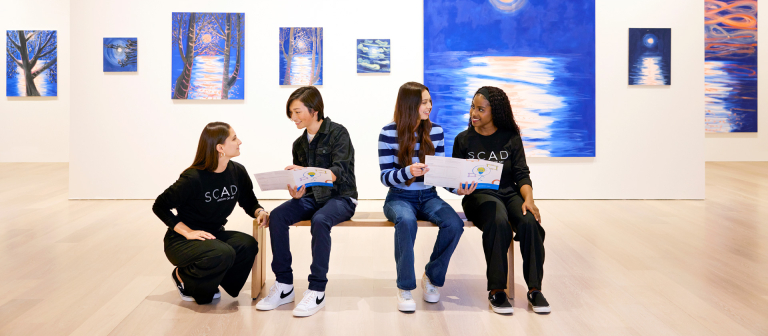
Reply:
x=207 y=157
x=407 y=120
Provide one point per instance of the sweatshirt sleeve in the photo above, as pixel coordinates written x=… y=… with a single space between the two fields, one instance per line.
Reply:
x=247 y=199
x=390 y=175
x=172 y=198
x=520 y=166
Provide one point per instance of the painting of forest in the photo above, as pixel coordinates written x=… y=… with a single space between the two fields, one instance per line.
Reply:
x=31 y=63
x=208 y=52
x=120 y=54
x=301 y=56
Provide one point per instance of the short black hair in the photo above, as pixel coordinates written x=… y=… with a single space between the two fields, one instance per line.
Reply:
x=310 y=97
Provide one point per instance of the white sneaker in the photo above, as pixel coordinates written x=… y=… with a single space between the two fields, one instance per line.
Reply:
x=431 y=294
x=405 y=301
x=310 y=304
x=279 y=294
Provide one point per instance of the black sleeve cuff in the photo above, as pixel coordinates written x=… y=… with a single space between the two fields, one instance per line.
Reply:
x=525 y=181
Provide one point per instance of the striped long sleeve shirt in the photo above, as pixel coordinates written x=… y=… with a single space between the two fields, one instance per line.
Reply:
x=392 y=173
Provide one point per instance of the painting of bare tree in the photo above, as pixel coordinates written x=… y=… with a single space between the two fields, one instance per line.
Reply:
x=31 y=63
x=301 y=56
x=208 y=53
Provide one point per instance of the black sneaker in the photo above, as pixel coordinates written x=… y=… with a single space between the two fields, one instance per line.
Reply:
x=180 y=287
x=500 y=303
x=538 y=302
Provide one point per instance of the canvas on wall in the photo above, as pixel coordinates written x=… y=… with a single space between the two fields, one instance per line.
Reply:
x=121 y=54
x=31 y=63
x=208 y=56
x=730 y=66
x=373 y=55
x=301 y=56
x=650 y=56
x=541 y=53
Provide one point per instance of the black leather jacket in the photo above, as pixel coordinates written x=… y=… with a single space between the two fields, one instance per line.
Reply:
x=331 y=148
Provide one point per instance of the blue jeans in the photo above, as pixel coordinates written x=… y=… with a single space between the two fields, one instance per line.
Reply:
x=404 y=208
x=323 y=217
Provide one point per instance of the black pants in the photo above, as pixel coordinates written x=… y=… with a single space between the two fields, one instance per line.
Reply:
x=498 y=217
x=323 y=217
x=206 y=264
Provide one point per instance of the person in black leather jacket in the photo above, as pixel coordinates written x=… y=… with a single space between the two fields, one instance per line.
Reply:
x=323 y=144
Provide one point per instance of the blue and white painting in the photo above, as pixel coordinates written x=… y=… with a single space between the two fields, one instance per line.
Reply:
x=120 y=54
x=373 y=56
x=31 y=63
x=208 y=56
x=301 y=56
x=540 y=52
x=650 y=56
x=730 y=66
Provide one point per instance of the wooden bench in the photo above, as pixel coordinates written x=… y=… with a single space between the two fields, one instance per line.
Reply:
x=360 y=219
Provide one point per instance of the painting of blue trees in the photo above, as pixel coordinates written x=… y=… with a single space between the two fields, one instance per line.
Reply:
x=540 y=52
x=301 y=56
x=207 y=56
x=650 y=56
x=730 y=66
x=373 y=56
x=31 y=63
x=121 y=54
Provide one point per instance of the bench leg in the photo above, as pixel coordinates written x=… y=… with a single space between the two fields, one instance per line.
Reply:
x=258 y=275
x=511 y=273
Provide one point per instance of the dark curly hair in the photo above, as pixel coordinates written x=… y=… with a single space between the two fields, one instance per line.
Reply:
x=501 y=109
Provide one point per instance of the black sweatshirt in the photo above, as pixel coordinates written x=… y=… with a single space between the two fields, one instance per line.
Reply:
x=204 y=200
x=504 y=147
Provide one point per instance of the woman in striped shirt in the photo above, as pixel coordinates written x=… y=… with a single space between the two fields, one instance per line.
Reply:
x=403 y=144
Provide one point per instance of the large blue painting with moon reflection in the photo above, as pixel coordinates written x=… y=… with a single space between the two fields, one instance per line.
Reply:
x=650 y=56
x=121 y=54
x=540 y=52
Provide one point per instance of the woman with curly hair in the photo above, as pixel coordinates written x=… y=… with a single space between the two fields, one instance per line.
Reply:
x=493 y=135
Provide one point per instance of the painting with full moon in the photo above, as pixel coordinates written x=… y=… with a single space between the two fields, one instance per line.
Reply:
x=121 y=54
x=540 y=52
x=650 y=56
x=207 y=55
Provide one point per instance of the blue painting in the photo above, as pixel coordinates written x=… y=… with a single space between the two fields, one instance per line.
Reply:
x=540 y=52
x=650 y=56
x=373 y=56
x=301 y=56
x=208 y=56
x=31 y=63
x=730 y=66
x=120 y=54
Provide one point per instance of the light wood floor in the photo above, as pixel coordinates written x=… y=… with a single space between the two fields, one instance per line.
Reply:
x=613 y=267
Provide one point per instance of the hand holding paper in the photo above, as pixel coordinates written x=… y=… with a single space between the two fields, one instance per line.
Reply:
x=307 y=177
x=452 y=172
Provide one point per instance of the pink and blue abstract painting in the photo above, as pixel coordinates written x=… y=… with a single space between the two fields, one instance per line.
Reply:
x=301 y=56
x=650 y=56
x=121 y=54
x=730 y=66
x=208 y=55
x=540 y=52
x=31 y=63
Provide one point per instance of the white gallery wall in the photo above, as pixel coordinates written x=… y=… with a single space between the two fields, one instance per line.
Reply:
x=746 y=146
x=130 y=140
x=36 y=129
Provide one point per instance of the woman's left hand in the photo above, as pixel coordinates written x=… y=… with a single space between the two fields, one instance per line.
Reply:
x=262 y=218
x=529 y=206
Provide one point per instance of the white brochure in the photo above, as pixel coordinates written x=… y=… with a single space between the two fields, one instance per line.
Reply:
x=452 y=172
x=278 y=180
